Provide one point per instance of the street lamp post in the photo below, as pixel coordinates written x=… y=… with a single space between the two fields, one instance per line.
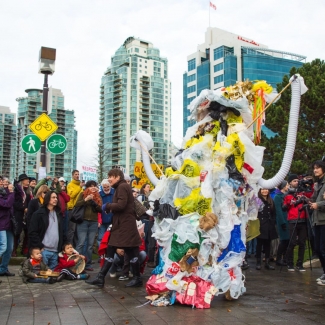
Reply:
x=46 y=66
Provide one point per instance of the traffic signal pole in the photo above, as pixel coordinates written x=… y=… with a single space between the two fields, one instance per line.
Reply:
x=45 y=99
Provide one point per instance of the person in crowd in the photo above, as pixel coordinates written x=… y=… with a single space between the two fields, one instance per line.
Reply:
x=36 y=203
x=317 y=204
x=121 y=259
x=32 y=267
x=74 y=188
x=83 y=184
x=106 y=193
x=297 y=218
x=267 y=229
x=127 y=179
x=87 y=230
x=124 y=234
x=23 y=195
x=7 y=198
x=46 y=229
x=66 y=266
x=282 y=224
x=5 y=182
x=43 y=181
x=32 y=183
x=150 y=241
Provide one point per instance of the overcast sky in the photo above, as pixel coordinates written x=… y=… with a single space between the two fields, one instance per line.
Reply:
x=87 y=33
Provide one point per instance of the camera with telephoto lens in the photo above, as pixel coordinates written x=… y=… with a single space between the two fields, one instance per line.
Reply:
x=305 y=185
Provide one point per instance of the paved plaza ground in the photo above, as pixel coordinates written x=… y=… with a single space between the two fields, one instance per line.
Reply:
x=272 y=297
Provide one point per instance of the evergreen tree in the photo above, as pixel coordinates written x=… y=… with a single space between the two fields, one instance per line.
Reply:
x=310 y=144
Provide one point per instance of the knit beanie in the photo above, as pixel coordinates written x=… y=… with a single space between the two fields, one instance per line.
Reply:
x=282 y=185
x=292 y=177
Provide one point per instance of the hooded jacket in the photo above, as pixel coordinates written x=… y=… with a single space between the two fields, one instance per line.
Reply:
x=73 y=190
x=6 y=209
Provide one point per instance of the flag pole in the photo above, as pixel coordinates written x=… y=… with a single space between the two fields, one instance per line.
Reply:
x=209 y=14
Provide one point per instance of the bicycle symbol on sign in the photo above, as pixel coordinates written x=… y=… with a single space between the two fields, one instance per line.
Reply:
x=55 y=143
x=40 y=125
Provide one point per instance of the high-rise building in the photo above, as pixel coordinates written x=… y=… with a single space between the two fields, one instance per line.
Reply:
x=29 y=108
x=134 y=94
x=225 y=58
x=7 y=142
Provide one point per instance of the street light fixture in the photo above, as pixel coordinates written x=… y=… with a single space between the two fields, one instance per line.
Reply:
x=46 y=61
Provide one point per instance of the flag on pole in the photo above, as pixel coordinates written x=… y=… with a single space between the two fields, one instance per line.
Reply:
x=213 y=6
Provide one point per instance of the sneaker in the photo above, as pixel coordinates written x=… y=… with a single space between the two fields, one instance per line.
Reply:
x=321 y=278
x=112 y=275
x=321 y=283
x=123 y=278
x=300 y=268
x=291 y=268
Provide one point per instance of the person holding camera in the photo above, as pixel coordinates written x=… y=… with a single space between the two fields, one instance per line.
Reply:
x=294 y=203
x=317 y=204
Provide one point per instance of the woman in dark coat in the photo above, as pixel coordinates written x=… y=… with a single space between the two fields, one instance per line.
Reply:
x=267 y=229
x=124 y=233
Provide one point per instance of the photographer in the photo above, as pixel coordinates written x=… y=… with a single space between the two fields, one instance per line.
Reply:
x=293 y=203
x=317 y=204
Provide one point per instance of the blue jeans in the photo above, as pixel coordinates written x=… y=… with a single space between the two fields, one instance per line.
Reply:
x=101 y=232
x=50 y=259
x=86 y=235
x=6 y=247
x=38 y=280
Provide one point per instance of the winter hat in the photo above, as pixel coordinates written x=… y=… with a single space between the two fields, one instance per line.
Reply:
x=61 y=179
x=282 y=185
x=127 y=177
x=292 y=177
x=22 y=177
x=32 y=179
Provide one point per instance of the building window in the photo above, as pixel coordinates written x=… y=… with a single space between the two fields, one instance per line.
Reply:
x=218 y=53
x=145 y=61
x=136 y=50
x=191 y=89
x=140 y=71
x=218 y=67
x=140 y=60
x=190 y=78
x=218 y=79
x=191 y=65
x=145 y=72
x=140 y=65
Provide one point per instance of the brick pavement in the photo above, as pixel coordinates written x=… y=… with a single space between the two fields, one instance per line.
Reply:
x=272 y=298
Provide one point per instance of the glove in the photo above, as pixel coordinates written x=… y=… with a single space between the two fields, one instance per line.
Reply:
x=284 y=227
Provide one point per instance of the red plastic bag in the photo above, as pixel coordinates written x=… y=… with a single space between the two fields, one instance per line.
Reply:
x=156 y=285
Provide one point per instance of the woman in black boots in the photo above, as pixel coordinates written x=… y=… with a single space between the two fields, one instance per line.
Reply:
x=124 y=233
x=267 y=229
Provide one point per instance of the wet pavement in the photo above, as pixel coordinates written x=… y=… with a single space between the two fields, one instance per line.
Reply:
x=272 y=297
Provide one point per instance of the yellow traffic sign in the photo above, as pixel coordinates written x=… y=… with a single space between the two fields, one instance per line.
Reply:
x=43 y=126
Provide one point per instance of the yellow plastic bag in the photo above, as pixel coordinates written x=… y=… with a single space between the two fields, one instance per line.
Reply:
x=195 y=202
x=193 y=141
x=253 y=229
x=238 y=149
x=190 y=168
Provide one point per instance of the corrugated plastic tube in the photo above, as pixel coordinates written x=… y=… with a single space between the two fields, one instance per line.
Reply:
x=147 y=167
x=291 y=138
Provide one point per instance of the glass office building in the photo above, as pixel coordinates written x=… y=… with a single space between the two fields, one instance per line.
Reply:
x=29 y=108
x=134 y=95
x=225 y=58
x=8 y=130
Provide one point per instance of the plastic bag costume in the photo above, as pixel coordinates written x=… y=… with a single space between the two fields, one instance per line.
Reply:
x=203 y=204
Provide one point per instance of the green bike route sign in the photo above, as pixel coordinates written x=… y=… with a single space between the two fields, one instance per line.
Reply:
x=56 y=144
x=31 y=144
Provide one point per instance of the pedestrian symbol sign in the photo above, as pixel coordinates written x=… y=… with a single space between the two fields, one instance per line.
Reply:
x=31 y=144
x=43 y=126
x=56 y=143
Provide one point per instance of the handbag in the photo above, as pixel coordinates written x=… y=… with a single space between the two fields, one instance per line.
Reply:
x=77 y=214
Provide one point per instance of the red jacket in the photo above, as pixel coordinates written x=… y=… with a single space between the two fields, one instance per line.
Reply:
x=64 y=263
x=64 y=198
x=293 y=211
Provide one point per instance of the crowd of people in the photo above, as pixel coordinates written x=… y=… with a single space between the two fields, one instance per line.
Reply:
x=39 y=218
x=292 y=215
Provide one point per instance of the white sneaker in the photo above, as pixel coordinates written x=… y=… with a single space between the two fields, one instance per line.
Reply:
x=321 y=278
x=112 y=275
x=321 y=283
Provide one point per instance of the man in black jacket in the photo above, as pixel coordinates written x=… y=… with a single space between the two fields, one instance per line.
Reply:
x=46 y=229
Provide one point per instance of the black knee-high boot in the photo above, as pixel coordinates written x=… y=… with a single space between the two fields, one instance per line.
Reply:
x=137 y=280
x=100 y=278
